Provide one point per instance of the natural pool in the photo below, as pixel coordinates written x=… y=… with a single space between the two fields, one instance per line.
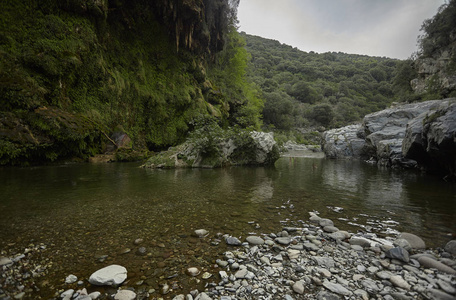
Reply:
x=87 y=216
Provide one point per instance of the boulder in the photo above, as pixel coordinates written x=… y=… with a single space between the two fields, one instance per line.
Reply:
x=244 y=148
x=406 y=135
x=450 y=247
x=430 y=139
x=414 y=241
x=110 y=275
x=343 y=142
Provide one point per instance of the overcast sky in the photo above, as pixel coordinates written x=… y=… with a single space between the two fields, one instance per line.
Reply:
x=373 y=27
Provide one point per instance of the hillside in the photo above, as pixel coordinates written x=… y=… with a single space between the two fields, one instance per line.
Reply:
x=435 y=62
x=74 y=72
x=329 y=89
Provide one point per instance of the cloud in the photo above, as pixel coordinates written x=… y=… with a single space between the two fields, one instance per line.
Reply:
x=378 y=28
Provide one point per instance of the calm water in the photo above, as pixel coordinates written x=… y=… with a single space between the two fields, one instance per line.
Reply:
x=81 y=212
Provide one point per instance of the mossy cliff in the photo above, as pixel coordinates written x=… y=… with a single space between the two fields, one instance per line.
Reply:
x=73 y=70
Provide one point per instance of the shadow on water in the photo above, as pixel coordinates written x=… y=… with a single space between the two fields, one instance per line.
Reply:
x=85 y=211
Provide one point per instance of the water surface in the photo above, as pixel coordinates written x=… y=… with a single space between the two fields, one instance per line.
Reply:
x=84 y=211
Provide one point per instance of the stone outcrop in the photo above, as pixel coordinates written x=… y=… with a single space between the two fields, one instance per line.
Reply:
x=409 y=135
x=256 y=148
x=343 y=142
x=435 y=73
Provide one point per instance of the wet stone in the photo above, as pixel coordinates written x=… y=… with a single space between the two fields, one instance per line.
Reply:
x=255 y=240
x=398 y=253
x=233 y=241
x=283 y=240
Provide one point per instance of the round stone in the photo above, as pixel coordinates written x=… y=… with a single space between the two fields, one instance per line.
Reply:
x=193 y=271
x=110 y=275
x=201 y=233
x=450 y=247
x=415 y=241
x=254 y=240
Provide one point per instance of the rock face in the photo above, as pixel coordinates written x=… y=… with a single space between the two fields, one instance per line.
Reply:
x=408 y=135
x=254 y=148
x=435 y=73
x=110 y=275
x=343 y=142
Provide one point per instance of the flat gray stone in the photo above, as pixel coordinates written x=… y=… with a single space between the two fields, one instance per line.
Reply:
x=336 y=288
x=233 y=241
x=359 y=241
x=438 y=294
x=428 y=262
x=325 y=222
x=398 y=281
x=311 y=246
x=254 y=240
x=327 y=262
x=325 y=295
x=398 y=253
x=283 y=240
x=339 y=235
x=330 y=229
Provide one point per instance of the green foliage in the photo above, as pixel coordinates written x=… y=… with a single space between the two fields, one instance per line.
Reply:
x=241 y=102
x=438 y=32
x=308 y=89
x=115 y=63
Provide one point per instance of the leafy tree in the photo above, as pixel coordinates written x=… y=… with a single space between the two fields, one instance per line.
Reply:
x=322 y=114
x=304 y=92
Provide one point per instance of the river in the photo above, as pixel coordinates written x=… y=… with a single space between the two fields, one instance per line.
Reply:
x=86 y=216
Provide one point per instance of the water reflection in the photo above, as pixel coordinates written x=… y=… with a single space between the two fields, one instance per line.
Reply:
x=91 y=210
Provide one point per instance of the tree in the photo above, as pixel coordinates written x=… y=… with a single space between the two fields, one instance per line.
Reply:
x=322 y=114
x=303 y=92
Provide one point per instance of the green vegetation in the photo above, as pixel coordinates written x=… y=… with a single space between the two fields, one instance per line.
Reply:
x=303 y=89
x=97 y=65
x=438 y=32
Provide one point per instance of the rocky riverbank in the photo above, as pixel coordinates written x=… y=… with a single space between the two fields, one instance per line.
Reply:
x=407 y=135
x=312 y=261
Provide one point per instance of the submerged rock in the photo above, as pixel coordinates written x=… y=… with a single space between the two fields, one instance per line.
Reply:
x=125 y=295
x=110 y=275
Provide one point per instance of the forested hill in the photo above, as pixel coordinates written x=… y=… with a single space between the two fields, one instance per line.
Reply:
x=73 y=73
x=328 y=89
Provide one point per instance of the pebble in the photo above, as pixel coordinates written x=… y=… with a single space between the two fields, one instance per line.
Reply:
x=298 y=287
x=71 y=279
x=233 y=241
x=201 y=233
x=300 y=263
x=398 y=281
x=125 y=295
x=192 y=271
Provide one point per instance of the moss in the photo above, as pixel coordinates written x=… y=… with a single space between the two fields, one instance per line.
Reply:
x=94 y=68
